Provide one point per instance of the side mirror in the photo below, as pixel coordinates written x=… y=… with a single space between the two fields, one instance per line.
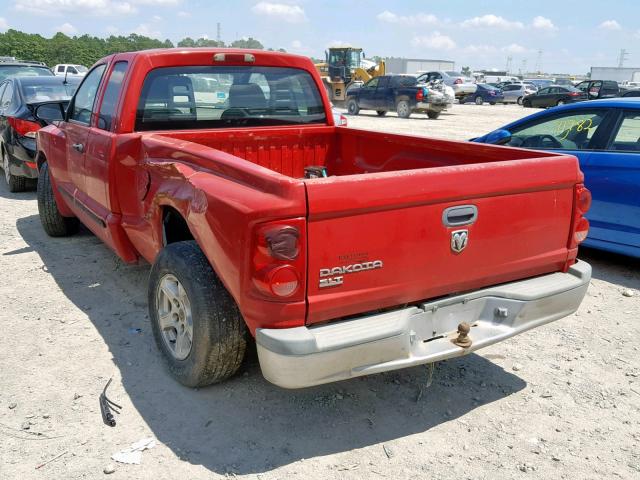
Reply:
x=50 y=112
x=498 y=137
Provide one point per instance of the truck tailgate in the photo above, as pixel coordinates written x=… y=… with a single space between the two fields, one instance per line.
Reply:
x=381 y=240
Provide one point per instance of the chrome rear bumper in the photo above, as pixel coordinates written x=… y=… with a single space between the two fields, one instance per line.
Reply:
x=305 y=356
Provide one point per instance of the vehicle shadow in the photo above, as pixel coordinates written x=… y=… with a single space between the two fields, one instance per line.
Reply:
x=414 y=116
x=28 y=195
x=612 y=267
x=247 y=425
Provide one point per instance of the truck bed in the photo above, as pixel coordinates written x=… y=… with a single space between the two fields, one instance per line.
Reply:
x=344 y=151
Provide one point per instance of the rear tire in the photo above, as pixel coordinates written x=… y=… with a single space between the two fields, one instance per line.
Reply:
x=352 y=107
x=381 y=113
x=403 y=109
x=198 y=304
x=433 y=115
x=53 y=223
x=519 y=101
x=15 y=183
x=526 y=103
x=479 y=101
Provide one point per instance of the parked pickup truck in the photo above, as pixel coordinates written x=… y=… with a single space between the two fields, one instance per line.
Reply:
x=343 y=252
x=395 y=92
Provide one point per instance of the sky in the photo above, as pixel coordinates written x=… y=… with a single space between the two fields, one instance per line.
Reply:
x=571 y=35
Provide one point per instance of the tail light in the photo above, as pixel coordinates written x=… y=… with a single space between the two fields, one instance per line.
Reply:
x=457 y=81
x=279 y=257
x=420 y=95
x=579 y=224
x=574 y=94
x=24 y=128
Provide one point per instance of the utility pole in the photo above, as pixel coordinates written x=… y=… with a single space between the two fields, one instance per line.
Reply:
x=623 y=56
x=524 y=66
x=219 y=35
x=509 y=60
x=539 y=62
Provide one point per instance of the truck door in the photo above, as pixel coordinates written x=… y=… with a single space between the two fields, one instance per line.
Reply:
x=384 y=98
x=368 y=94
x=76 y=130
x=102 y=198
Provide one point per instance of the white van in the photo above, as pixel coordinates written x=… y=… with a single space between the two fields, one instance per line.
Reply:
x=70 y=70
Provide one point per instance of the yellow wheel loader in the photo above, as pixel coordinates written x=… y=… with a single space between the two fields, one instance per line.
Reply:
x=343 y=67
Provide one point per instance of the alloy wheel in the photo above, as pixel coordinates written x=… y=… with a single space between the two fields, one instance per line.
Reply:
x=174 y=316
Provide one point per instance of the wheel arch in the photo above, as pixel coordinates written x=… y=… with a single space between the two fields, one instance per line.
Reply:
x=174 y=226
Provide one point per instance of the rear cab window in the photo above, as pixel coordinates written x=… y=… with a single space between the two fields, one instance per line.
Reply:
x=404 y=81
x=228 y=96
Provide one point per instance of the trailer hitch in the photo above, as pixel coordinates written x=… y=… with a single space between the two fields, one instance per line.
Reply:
x=463 y=340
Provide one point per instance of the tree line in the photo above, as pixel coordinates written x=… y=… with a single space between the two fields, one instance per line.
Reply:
x=86 y=50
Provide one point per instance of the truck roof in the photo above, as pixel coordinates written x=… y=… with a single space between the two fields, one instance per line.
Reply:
x=178 y=55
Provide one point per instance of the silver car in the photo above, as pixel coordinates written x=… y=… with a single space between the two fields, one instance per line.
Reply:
x=462 y=86
x=515 y=92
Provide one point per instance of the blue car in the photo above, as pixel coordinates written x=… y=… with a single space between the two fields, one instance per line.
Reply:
x=605 y=136
x=484 y=93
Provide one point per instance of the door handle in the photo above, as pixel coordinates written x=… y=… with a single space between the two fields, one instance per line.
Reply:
x=78 y=146
x=461 y=215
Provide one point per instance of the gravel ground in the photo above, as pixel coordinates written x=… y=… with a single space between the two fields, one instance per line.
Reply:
x=460 y=123
x=561 y=401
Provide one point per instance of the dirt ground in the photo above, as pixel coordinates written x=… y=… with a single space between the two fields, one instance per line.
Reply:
x=561 y=401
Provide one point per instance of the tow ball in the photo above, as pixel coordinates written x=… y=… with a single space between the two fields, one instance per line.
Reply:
x=463 y=340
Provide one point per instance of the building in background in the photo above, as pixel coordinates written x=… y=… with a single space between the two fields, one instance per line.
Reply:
x=416 y=65
x=619 y=74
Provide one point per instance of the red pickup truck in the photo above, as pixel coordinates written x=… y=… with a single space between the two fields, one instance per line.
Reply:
x=343 y=252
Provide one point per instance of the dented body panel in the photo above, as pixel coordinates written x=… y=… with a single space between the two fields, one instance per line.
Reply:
x=374 y=235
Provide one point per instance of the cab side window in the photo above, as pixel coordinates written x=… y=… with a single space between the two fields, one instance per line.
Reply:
x=85 y=98
x=111 y=95
x=569 y=131
x=373 y=83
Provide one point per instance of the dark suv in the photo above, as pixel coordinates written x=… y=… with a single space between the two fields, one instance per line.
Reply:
x=599 y=88
x=17 y=68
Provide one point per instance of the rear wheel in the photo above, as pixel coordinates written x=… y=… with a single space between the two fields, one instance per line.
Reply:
x=432 y=114
x=403 y=109
x=15 y=183
x=526 y=103
x=381 y=113
x=519 y=101
x=479 y=101
x=352 y=107
x=53 y=223
x=196 y=323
